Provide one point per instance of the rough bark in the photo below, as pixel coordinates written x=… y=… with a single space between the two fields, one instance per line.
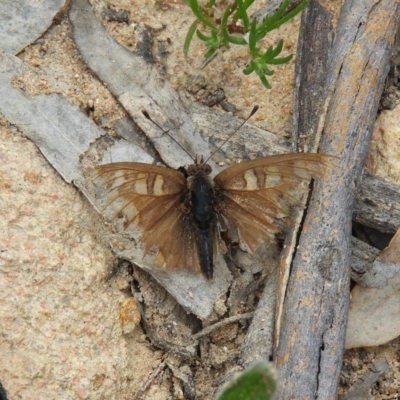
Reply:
x=311 y=338
x=378 y=204
x=315 y=42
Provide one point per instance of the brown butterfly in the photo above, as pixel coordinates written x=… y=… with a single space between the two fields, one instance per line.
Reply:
x=185 y=217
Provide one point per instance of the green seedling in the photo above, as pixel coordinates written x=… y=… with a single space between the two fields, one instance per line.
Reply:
x=238 y=28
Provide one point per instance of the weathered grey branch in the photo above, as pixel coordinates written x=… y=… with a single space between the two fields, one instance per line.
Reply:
x=315 y=42
x=362 y=258
x=311 y=69
x=378 y=204
x=258 y=343
x=311 y=338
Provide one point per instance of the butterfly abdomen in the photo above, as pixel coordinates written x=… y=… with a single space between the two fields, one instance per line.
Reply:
x=202 y=212
x=205 y=251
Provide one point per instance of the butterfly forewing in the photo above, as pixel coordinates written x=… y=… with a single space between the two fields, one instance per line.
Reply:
x=150 y=198
x=140 y=178
x=254 y=193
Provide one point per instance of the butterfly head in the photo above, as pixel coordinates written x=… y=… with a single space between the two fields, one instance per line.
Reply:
x=199 y=168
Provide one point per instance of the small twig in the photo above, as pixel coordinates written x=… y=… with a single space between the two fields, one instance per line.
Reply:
x=206 y=61
x=143 y=388
x=118 y=269
x=209 y=329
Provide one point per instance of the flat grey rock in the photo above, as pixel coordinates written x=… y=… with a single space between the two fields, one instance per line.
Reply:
x=23 y=21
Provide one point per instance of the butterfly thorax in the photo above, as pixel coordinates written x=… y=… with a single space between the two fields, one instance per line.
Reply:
x=201 y=194
x=201 y=200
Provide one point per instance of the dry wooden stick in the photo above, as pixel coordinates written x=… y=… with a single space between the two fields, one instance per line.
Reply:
x=312 y=330
x=146 y=384
x=220 y=324
x=310 y=75
x=259 y=340
x=377 y=204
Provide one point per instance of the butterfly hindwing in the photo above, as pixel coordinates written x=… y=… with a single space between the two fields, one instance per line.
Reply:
x=252 y=194
x=150 y=198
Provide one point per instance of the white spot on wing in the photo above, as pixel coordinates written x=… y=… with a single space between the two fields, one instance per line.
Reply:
x=251 y=179
x=141 y=184
x=158 y=185
x=118 y=179
x=272 y=180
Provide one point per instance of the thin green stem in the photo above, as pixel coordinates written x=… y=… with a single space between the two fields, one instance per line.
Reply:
x=189 y=36
x=194 y=5
x=243 y=14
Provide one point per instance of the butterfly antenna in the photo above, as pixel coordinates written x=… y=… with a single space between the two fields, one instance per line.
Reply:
x=253 y=111
x=146 y=114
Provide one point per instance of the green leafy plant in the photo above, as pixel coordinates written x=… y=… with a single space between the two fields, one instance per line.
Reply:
x=236 y=27
x=256 y=383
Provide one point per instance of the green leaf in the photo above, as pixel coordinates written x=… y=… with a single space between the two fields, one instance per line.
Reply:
x=210 y=53
x=246 y=5
x=224 y=21
x=271 y=53
x=250 y=68
x=263 y=70
x=202 y=36
x=253 y=38
x=265 y=82
x=242 y=14
x=268 y=21
x=213 y=42
x=283 y=60
x=189 y=36
x=267 y=55
x=236 y=40
x=194 y=5
x=259 y=381
x=288 y=16
x=226 y=15
x=278 y=49
x=224 y=30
